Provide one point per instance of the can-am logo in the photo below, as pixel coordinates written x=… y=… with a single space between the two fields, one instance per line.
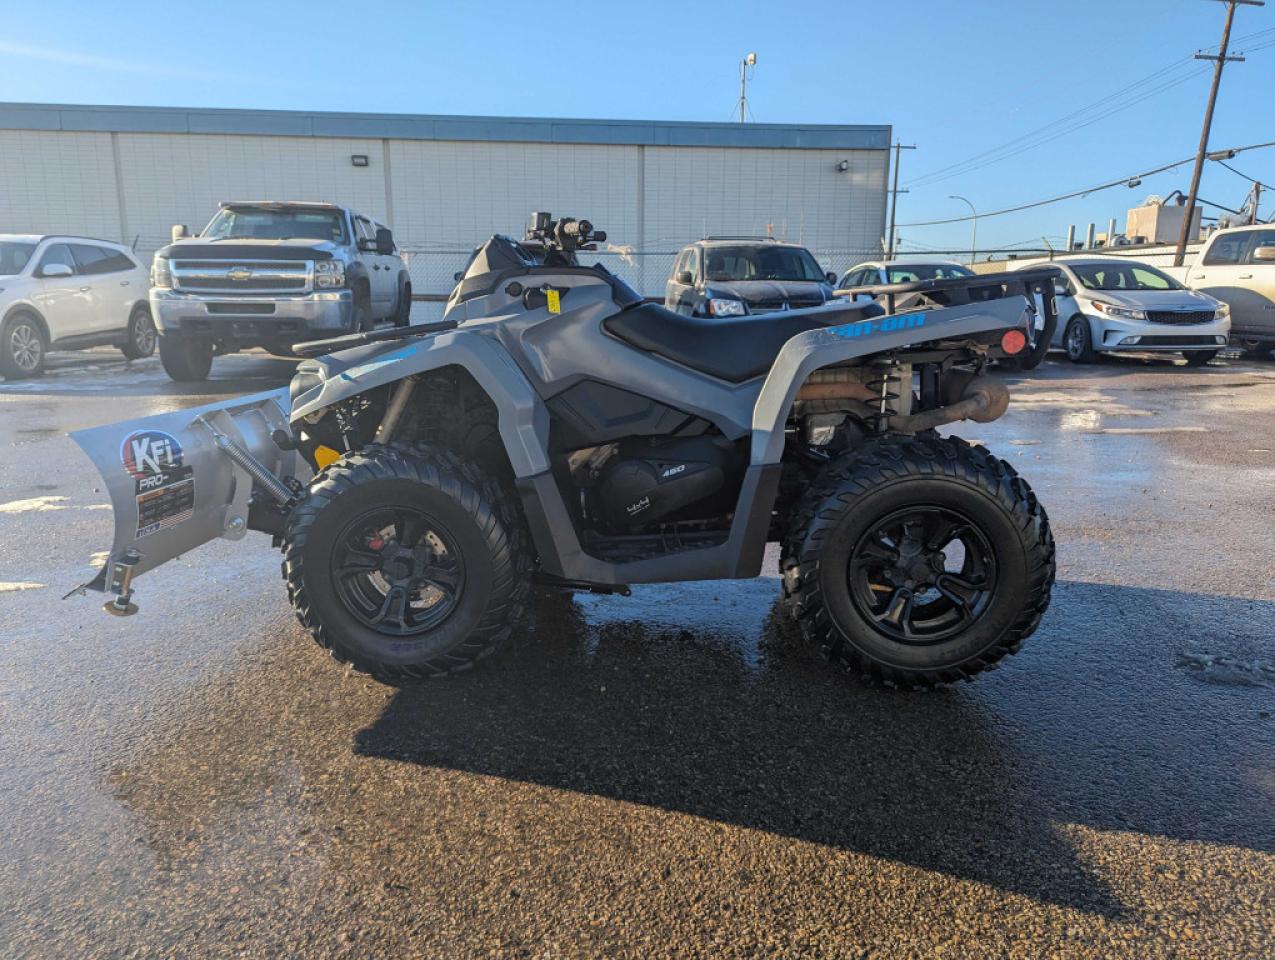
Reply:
x=150 y=452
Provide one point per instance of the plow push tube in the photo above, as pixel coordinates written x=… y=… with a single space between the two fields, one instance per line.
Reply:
x=178 y=480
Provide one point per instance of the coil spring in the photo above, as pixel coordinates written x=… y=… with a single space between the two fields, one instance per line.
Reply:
x=885 y=386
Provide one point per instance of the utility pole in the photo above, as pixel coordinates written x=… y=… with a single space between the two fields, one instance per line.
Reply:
x=745 y=66
x=1219 y=62
x=894 y=197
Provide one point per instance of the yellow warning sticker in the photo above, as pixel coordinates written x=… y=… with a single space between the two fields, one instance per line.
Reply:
x=324 y=456
x=553 y=301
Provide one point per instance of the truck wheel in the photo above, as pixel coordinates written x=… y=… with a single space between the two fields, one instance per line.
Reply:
x=1078 y=339
x=22 y=347
x=402 y=561
x=1198 y=358
x=141 y=335
x=1258 y=349
x=403 y=309
x=918 y=562
x=185 y=358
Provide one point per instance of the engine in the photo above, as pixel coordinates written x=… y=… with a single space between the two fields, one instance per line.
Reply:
x=645 y=482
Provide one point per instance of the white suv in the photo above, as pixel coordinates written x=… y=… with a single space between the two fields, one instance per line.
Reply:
x=69 y=293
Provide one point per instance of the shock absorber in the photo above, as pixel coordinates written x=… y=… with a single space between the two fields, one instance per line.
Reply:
x=886 y=386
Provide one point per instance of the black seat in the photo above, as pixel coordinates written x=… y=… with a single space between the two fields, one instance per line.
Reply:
x=734 y=349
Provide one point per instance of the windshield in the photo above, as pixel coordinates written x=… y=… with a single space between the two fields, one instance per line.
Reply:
x=925 y=271
x=260 y=223
x=1122 y=276
x=761 y=263
x=14 y=256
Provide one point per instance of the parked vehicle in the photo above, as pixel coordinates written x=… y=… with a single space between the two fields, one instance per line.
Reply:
x=1118 y=305
x=876 y=280
x=1237 y=266
x=564 y=429
x=269 y=274
x=740 y=276
x=69 y=293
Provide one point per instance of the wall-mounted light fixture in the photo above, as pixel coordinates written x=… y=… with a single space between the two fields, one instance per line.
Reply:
x=358 y=159
x=843 y=166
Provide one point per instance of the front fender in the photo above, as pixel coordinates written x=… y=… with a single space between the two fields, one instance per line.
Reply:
x=522 y=417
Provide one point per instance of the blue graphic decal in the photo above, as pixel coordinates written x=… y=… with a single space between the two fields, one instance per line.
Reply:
x=890 y=324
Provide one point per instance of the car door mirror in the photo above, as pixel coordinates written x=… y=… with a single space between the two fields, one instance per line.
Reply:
x=684 y=278
x=178 y=232
x=56 y=270
x=1264 y=255
x=384 y=242
x=831 y=278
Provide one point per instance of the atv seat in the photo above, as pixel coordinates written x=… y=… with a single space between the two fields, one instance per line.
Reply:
x=735 y=349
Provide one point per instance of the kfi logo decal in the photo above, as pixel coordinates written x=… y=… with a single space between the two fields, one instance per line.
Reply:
x=149 y=453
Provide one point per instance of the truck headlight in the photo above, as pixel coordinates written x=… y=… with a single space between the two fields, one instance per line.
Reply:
x=161 y=275
x=1118 y=313
x=329 y=273
x=1222 y=312
x=721 y=307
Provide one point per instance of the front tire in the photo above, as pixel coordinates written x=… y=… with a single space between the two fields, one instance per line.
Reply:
x=403 y=309
x=23 y=347
x=403 y=562
x=141 y=335
x=185 y=359
x=1078 y=339
x=918 y=562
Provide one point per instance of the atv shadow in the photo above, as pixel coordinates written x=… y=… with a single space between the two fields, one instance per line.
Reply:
x=972 y=782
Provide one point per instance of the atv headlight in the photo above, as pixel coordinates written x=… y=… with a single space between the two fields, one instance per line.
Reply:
x=721 y=307
x=1222 y=312
x=329 y=273
x=310 y=373
x=161 y=275
x=1118 y=313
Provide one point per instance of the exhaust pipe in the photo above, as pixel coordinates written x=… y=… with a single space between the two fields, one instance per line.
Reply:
x=982 y=401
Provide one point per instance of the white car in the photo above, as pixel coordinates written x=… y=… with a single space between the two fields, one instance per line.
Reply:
x=900 y=271
x=1115 y=305
x=69 y=293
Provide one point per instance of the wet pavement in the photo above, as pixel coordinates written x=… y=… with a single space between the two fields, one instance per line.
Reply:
x=663 y=775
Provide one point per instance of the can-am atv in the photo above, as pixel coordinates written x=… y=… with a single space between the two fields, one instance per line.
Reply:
x=556 y=427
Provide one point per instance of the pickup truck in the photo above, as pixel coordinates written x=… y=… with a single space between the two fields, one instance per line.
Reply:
x=1237 y=266
x=271 y=274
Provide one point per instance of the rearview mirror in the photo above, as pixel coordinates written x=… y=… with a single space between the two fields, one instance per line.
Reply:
x=56 y=270
x=1264 y=254
x=384 y=242
x=178 y=232
x=684 y=278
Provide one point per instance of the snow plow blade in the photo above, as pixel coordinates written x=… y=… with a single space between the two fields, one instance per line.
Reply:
x=178 y=480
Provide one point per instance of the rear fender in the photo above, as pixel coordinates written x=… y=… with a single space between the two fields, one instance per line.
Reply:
x=173 y=489
x=522 y=417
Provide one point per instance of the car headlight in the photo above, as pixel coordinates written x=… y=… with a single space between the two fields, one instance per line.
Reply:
x=161 y=275
x=329 y=273
x=1222 y=312
x=1118 y=313
x=721 y=307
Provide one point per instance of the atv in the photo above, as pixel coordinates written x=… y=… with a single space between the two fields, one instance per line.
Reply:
x=556 y=428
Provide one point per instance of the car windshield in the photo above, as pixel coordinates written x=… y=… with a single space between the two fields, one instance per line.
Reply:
x=1122 y=276
x=907 y=273
x=262 y=223
x=14 y=256
x=761 y=263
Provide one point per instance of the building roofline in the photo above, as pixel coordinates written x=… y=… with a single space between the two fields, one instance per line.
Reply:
x=399 y=126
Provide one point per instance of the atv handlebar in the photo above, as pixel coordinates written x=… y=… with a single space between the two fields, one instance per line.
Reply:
x=565 y=235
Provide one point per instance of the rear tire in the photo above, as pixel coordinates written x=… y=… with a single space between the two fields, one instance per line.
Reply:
x=185 y=359
x=911 y=615
x=427 y=594
x=23 y=347
x=1078 y=340
x=1259 y=349
x=403 y=309
x=1198 y=358
x=141 y=335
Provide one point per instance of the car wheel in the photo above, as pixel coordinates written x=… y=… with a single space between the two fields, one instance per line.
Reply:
x=1258 y=349
x=1078 y=340
x=22 y=347
x=1198 y=358
x=403 y=311
x=141 y=335
x=185 y=358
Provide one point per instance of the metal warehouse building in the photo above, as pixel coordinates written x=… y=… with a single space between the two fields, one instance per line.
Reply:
x=443 y=183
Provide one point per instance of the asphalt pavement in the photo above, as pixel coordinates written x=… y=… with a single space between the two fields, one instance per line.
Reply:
x=663 y=775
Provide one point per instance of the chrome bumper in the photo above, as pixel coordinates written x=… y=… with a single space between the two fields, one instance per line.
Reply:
x=238 y=317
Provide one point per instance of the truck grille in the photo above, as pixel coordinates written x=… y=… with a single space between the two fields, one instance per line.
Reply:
x=242 y=276
x=1180 y=316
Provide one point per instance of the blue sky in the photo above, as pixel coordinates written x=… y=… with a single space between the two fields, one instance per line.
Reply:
x=957 y=79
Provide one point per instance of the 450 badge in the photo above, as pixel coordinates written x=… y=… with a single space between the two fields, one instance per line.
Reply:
x=165 y=487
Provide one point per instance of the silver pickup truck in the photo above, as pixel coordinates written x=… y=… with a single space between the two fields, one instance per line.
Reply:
x=270 y=274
